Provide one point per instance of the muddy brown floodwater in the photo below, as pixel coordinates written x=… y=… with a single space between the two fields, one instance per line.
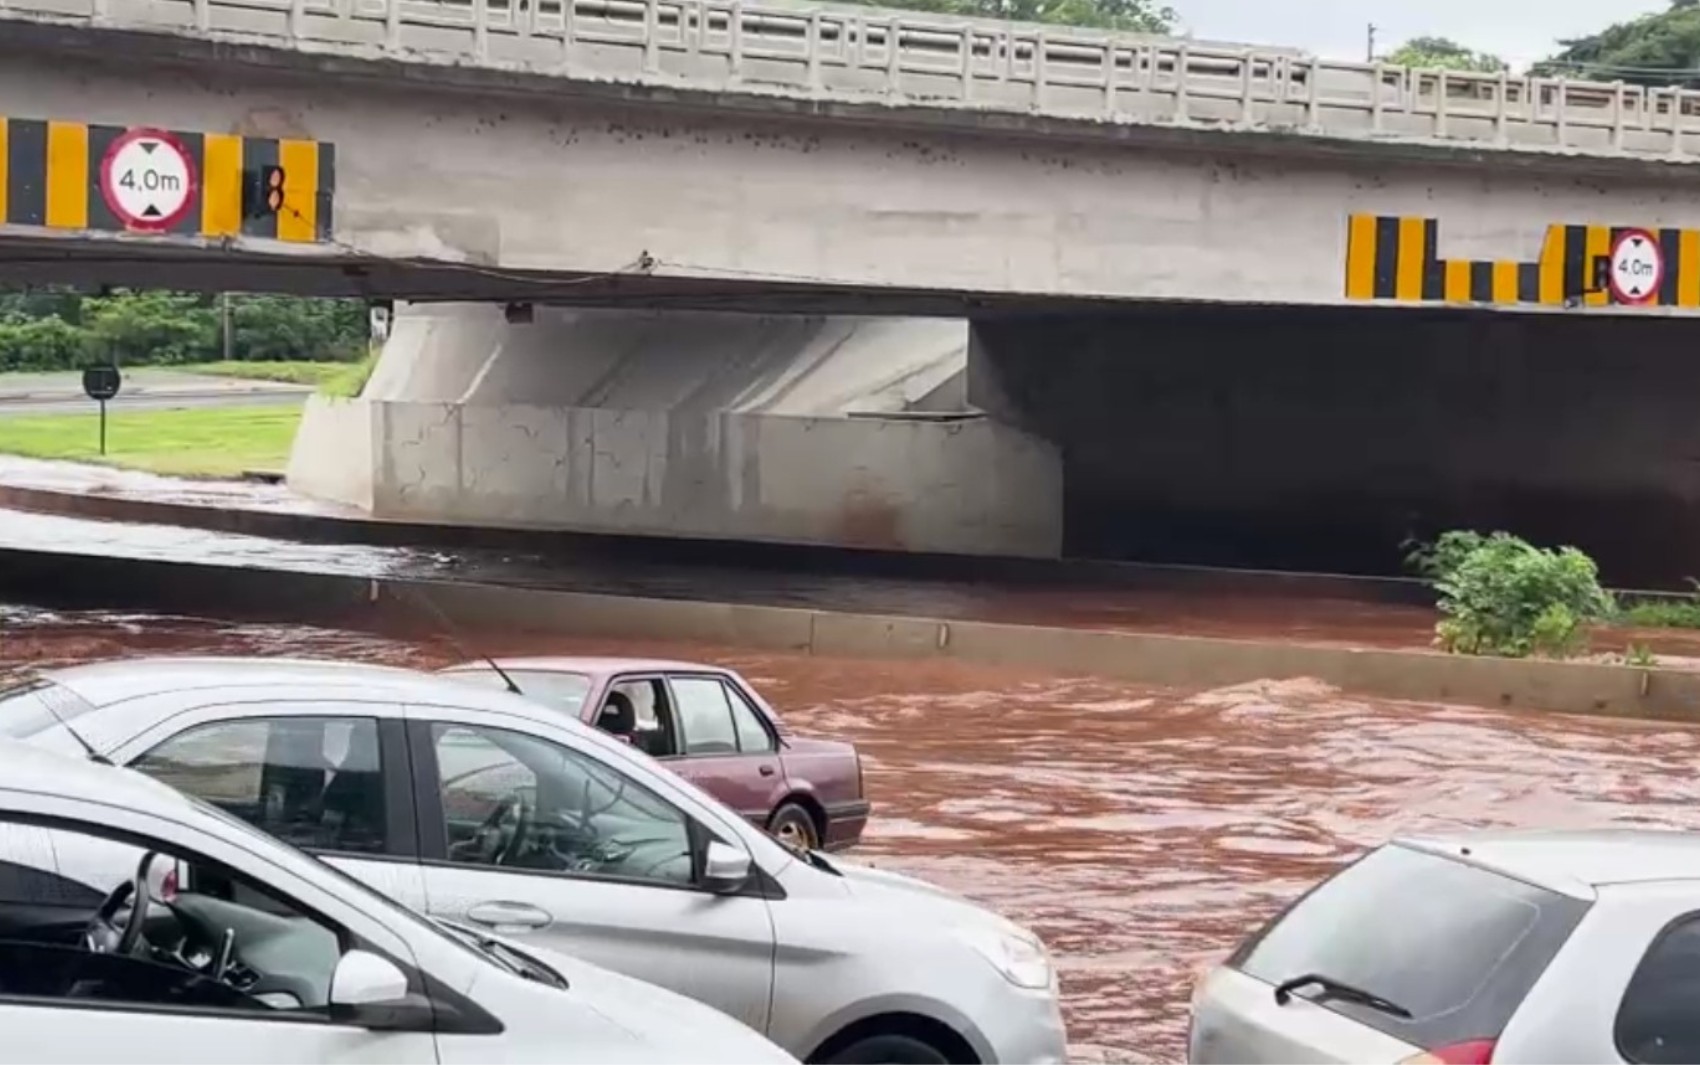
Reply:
x=1140 y=831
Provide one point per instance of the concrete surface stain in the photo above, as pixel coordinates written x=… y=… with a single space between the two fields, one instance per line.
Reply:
x=1141 y=831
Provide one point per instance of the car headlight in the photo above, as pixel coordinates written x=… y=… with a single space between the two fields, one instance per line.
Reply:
x=1021 y=960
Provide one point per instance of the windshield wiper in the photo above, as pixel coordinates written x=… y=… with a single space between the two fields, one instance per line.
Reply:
x=519 y=964
x=1332 y=988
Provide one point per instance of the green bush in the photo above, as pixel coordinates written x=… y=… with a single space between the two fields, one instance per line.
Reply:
x=1500 y=595
x=61 y=329
x=1665 y=611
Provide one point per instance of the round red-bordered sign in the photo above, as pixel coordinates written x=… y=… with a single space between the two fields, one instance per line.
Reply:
x=1637 y=267
x=148 y=179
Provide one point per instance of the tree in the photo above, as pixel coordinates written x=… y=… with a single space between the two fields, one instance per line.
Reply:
x=62 y=329
x=1440 y=53
x=1139 y=16
x=1659 y=50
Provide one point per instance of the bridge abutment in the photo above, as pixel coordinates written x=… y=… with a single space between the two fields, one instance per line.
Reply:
x=835 y=431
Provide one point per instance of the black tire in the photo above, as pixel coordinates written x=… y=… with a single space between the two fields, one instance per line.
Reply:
x=793 y=824
x=888 y=1050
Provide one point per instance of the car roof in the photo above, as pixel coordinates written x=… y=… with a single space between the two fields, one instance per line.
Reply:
x=106 y=685
x=27 y=767
x=1567 y=860
x=591 y=665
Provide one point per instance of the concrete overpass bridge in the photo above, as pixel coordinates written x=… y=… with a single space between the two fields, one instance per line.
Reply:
x=1213 y=303
x=763 y=155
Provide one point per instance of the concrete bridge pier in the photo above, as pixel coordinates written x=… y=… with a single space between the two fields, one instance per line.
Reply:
x=838 y=431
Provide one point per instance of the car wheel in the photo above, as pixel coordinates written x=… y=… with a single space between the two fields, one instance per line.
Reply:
x=792 y=825
x=898 y=1049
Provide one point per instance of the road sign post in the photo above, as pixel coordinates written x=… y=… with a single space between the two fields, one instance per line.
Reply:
x=102 y=383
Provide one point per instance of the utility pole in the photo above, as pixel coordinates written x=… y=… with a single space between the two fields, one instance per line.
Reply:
x=224 y=315
x=1369 y=53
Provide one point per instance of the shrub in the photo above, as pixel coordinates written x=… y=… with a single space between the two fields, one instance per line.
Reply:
x=1501 y=595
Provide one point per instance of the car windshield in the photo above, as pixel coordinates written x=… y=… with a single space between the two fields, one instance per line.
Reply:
x=367 y=897
x=1467 y=945
x=561 y=690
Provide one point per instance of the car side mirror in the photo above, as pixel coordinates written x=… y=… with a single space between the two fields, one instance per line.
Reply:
x=725 y=869
x=371 y=992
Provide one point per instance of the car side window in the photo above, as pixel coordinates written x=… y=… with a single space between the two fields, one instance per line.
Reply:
x=515 y=801
x=196 y=947
x=316 y=782
x=651 y=728
x=753 y=736
x=706 y=715
x=1657 y=1023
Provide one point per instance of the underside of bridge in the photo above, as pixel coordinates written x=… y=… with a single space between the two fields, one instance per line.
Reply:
x=1316 y=439
x=1323 y=439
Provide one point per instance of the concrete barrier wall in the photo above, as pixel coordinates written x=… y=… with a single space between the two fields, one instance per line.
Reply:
x=252 y=593
x=332 y=456
x=968 y=487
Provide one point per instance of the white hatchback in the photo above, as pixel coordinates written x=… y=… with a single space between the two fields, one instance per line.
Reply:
x=139 y=925
x=488 y=809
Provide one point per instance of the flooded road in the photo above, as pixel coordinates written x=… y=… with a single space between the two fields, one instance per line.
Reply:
x=1141 y=831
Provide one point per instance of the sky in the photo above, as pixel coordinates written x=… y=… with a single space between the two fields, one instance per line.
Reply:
x=1519 y=31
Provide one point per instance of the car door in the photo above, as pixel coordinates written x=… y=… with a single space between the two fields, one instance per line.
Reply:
x=604 y=868
x=61 y=1003
x=722 y=754
x=328 y=776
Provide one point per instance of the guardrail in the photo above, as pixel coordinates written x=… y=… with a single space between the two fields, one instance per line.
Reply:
x=908 y=58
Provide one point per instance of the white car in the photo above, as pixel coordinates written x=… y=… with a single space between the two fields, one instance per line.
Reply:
x=1494 y=947
x=139 y=925
x=488 y=809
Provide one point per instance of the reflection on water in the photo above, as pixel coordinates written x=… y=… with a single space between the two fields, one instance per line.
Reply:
x=1141 y=831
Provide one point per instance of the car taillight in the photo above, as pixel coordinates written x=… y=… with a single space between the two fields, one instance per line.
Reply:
x=1475 y=1052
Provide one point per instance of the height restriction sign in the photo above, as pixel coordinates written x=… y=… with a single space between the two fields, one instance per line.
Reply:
x=148 y=179
x=1637 y=267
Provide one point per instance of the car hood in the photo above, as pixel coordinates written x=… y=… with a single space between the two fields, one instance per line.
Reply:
x=663 y=1025
x=919 y=900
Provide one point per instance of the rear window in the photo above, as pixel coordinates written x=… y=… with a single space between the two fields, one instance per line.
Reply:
x=1456 y=946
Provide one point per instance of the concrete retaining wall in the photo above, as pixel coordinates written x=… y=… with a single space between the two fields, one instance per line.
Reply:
x=964 y=487
x=70 y=581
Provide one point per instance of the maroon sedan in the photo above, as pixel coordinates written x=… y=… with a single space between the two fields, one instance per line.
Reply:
x=710 y=728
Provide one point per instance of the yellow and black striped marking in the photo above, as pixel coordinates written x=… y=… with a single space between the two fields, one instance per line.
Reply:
x=50 y=176
x=1391 y=258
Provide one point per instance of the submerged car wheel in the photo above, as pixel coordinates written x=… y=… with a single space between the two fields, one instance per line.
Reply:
x=792 y=826
x=892 y=1048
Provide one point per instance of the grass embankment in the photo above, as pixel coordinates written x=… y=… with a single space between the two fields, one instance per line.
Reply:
x=332 y=378
x=196 y=442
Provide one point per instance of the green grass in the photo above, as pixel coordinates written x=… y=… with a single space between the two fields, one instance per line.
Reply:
x=290 y=373
x=1672 y=613
x=198 y=442
x=349 y=379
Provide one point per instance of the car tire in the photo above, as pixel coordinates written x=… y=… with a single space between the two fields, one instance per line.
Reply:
x=794 y=825
x=891 y=1048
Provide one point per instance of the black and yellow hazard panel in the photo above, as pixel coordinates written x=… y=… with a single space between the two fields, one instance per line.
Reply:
x=74 y=175
x=1398 y=259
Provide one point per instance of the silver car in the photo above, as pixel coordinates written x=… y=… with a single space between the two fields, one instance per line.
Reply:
x=490 y=810
x=1548 y=947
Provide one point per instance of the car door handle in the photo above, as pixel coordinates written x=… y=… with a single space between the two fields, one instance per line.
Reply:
x=767 y=771
x=509 y=915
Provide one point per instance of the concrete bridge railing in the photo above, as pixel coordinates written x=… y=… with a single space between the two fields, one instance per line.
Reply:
x=897 y=58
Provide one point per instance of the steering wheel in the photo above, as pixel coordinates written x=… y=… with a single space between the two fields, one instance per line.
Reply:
x=104 y=935
x=505 y=830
